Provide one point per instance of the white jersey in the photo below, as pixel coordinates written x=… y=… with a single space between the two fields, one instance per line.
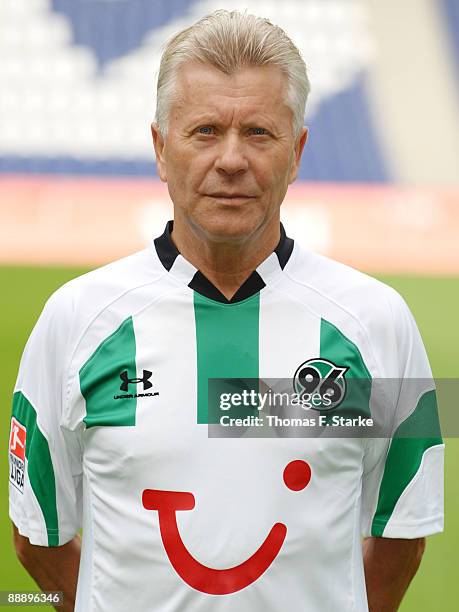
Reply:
x=109 y=433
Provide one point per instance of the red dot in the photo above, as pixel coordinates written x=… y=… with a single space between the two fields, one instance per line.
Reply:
x=297 y=475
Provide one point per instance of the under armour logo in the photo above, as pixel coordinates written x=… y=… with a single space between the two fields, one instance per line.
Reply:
x=127 y=381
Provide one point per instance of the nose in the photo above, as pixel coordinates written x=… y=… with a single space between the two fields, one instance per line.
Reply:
x=231 y=159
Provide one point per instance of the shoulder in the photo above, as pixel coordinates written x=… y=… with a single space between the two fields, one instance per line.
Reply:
x=99 y=300
x=89 y=293
x=360 y=295
x=367 y=311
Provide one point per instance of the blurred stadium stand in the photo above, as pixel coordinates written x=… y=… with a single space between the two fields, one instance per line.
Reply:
x=77 y=98
x=451 y=10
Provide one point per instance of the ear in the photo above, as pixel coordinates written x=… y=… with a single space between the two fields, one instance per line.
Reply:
x=159 y=144
x=299 y=146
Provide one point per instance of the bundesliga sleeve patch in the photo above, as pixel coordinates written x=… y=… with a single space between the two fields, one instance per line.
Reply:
x=17 y=448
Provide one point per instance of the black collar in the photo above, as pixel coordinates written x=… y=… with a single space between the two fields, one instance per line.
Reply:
x=171 y=259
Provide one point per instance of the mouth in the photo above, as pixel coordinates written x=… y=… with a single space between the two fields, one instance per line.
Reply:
x=230 y=198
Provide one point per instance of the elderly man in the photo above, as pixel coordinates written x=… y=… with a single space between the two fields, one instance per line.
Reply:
x=112 y=406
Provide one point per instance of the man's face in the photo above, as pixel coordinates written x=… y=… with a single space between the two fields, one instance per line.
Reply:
x=230 y=151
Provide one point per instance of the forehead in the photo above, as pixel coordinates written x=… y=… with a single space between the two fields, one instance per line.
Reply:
x=203 y=89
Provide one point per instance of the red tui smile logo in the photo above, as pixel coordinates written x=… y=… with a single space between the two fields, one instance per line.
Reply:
x=297 y=475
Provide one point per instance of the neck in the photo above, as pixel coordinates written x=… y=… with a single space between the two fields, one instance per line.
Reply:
x=226 y=263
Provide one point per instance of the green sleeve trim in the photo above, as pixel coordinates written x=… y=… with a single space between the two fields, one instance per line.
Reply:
x=39 y=465
x=405 y=456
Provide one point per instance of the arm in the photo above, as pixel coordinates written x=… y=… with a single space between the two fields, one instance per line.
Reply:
x=53 y=569
x=390 y=565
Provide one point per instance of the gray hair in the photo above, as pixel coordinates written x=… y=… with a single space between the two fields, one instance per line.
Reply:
x=229 y=41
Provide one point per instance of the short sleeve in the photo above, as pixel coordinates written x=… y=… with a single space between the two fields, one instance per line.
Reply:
x=44 y=459
x=402 y=486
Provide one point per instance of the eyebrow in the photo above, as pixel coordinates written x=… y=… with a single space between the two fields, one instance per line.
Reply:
x=208 y=119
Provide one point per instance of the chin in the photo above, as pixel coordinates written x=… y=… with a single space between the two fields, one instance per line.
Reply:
x=224 y=227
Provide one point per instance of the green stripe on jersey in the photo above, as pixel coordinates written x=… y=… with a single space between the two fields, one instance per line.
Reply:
x=405 y=456
x=227 y=338
x=336 y=347
x=100 y=379
x=39 y=465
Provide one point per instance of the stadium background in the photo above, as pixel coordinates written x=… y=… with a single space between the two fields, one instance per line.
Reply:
x=378 y=186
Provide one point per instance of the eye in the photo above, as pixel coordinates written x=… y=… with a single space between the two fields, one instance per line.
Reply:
x=259 y=131
x=205 y=130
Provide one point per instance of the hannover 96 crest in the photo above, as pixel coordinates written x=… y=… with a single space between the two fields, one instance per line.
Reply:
x=323 y=379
